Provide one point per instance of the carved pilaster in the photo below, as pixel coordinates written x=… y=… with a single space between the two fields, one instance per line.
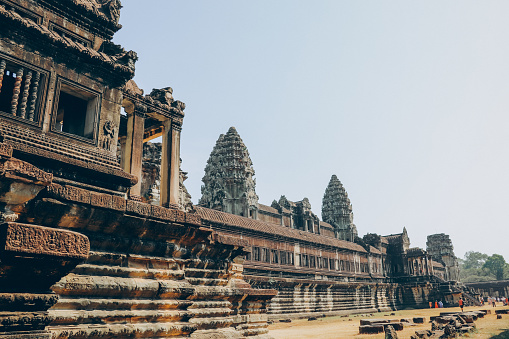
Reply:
x=134 y=145
x=24 y=98
x=15 y=93
x=170 y=172
x=33 y=96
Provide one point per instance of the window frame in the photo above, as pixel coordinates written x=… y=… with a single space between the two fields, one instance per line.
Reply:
x=96 y=115
x=42 y=91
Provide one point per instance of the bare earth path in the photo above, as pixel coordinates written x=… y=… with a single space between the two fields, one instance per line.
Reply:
x=348 y=327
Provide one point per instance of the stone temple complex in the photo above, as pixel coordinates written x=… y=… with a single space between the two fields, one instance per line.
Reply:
x=98 y=235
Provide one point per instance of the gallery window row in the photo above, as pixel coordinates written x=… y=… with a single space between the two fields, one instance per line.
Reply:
x=75 y=110
x=272 y=256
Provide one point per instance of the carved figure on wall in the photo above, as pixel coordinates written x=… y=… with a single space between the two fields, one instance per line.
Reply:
x=109 y=129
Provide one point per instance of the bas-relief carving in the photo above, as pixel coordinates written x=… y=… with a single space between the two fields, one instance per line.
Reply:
x=43 y=240
x=109 y=130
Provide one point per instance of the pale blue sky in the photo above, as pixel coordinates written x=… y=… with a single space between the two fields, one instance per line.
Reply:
x=405 y=101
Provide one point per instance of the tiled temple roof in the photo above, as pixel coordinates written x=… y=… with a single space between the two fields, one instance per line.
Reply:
x=326 y=225
x=267 y=228
x=266 y=208
x=391 y=238
x=415 y=251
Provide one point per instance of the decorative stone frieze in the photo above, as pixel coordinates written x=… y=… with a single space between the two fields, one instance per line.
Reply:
x=32 y=239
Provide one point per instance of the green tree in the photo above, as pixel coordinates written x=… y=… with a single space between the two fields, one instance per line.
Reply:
x=496 y=265
x=474 y=260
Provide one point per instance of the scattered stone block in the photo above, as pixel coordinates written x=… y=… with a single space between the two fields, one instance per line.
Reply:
x=418 y=320
x=499 y=316
x=395 y=326
x=371 y=329
x=422 y=334
x=374 y=321
x=312 y=318
x=390 y=332
x=465 y=329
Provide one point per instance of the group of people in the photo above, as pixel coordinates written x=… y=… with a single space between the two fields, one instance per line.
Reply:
x=461 y=303
x=438 y=304
x=493 y=300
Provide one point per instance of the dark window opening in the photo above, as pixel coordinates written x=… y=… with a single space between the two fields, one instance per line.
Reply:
x=6 y=91
x=275 y=256
x=256 y=253
x=76 y=112
x=265 y=255
x=312 y=261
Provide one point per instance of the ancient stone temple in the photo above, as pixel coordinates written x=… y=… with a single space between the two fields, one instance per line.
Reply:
x=316 y=266
x=84 y=253
x=337 y=210
x=440 y=247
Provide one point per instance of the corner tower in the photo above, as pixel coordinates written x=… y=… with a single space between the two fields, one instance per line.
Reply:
x=337 y=210
x=228 y=184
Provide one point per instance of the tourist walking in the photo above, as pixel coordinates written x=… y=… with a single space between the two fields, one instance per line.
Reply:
x=461 y=304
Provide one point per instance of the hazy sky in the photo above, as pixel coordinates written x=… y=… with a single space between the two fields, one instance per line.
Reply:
x=405 y=101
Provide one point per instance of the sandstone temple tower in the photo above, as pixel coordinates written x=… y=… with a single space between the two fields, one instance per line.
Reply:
x=228 y=182
x=440 y=247
x=337 y=210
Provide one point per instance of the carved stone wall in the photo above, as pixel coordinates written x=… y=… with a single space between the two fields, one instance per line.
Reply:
x=152 y=271
x=304 y=298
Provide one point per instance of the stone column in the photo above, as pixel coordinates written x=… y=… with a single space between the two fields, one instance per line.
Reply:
x=134 y=146
x=170 y=161
x=17 y=88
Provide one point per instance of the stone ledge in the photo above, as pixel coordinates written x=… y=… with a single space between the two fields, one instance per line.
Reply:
x=107 y=201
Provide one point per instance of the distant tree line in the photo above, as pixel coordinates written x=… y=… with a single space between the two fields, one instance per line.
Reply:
x=478 y=266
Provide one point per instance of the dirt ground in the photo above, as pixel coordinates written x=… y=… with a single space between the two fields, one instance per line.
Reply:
x=488 y=327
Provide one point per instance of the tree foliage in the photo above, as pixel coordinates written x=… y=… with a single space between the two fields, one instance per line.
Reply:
x=496 y=265
x=474 y=260
x=478 y=266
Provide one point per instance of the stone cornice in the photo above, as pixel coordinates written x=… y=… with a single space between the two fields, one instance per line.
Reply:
x=116 y=68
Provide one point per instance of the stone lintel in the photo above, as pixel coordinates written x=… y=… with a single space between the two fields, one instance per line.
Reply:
x=31 y=239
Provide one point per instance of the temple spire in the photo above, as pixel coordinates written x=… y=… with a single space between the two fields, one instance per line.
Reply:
x=228 y=183
x=337 y=210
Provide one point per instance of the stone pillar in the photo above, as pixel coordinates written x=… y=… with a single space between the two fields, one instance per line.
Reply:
x=170 y=159
x=17 y=88
x=134 y=146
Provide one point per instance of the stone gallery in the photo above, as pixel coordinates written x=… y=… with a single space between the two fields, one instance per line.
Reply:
x=99 y=237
